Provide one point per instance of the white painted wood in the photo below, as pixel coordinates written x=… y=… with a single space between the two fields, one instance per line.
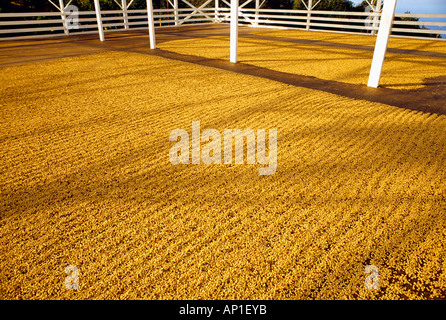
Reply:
x=378 y=8
x=151 y=24
x=175 y=7
x=309 y=7
x=234 y=32
x=256 y=21
x=97 y=8
x=62 y=9
x=201 y=9
x=216 y=11
x=382 y=40
x=124 y=7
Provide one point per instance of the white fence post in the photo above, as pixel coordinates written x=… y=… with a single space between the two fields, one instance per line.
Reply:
x=234 y=31
x=256 y=19
x=151 y=24
x=216 y=10
x=124 y=14
x=97 y=8
x=62 y=11
x=175 y=7
x=378 y=8
x=309 y=7
x=385 y=27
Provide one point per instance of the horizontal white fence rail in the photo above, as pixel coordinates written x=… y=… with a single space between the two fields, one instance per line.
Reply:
x=49 y=24
x=364 y=22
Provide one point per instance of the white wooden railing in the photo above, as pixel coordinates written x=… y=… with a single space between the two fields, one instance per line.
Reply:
x=50 y=24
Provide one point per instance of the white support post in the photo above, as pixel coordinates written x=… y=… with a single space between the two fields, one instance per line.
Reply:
x=124 y=7
x=216 y=11
x=309 y=7
x=385 y=27
x=234 y=31
x=151 y=24
x=62 y=11
x=175 y=7
x=256 y=19
x=97 y=8
x=378 y=8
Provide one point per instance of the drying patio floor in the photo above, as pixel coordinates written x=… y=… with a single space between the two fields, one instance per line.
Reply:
x=86 y=180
